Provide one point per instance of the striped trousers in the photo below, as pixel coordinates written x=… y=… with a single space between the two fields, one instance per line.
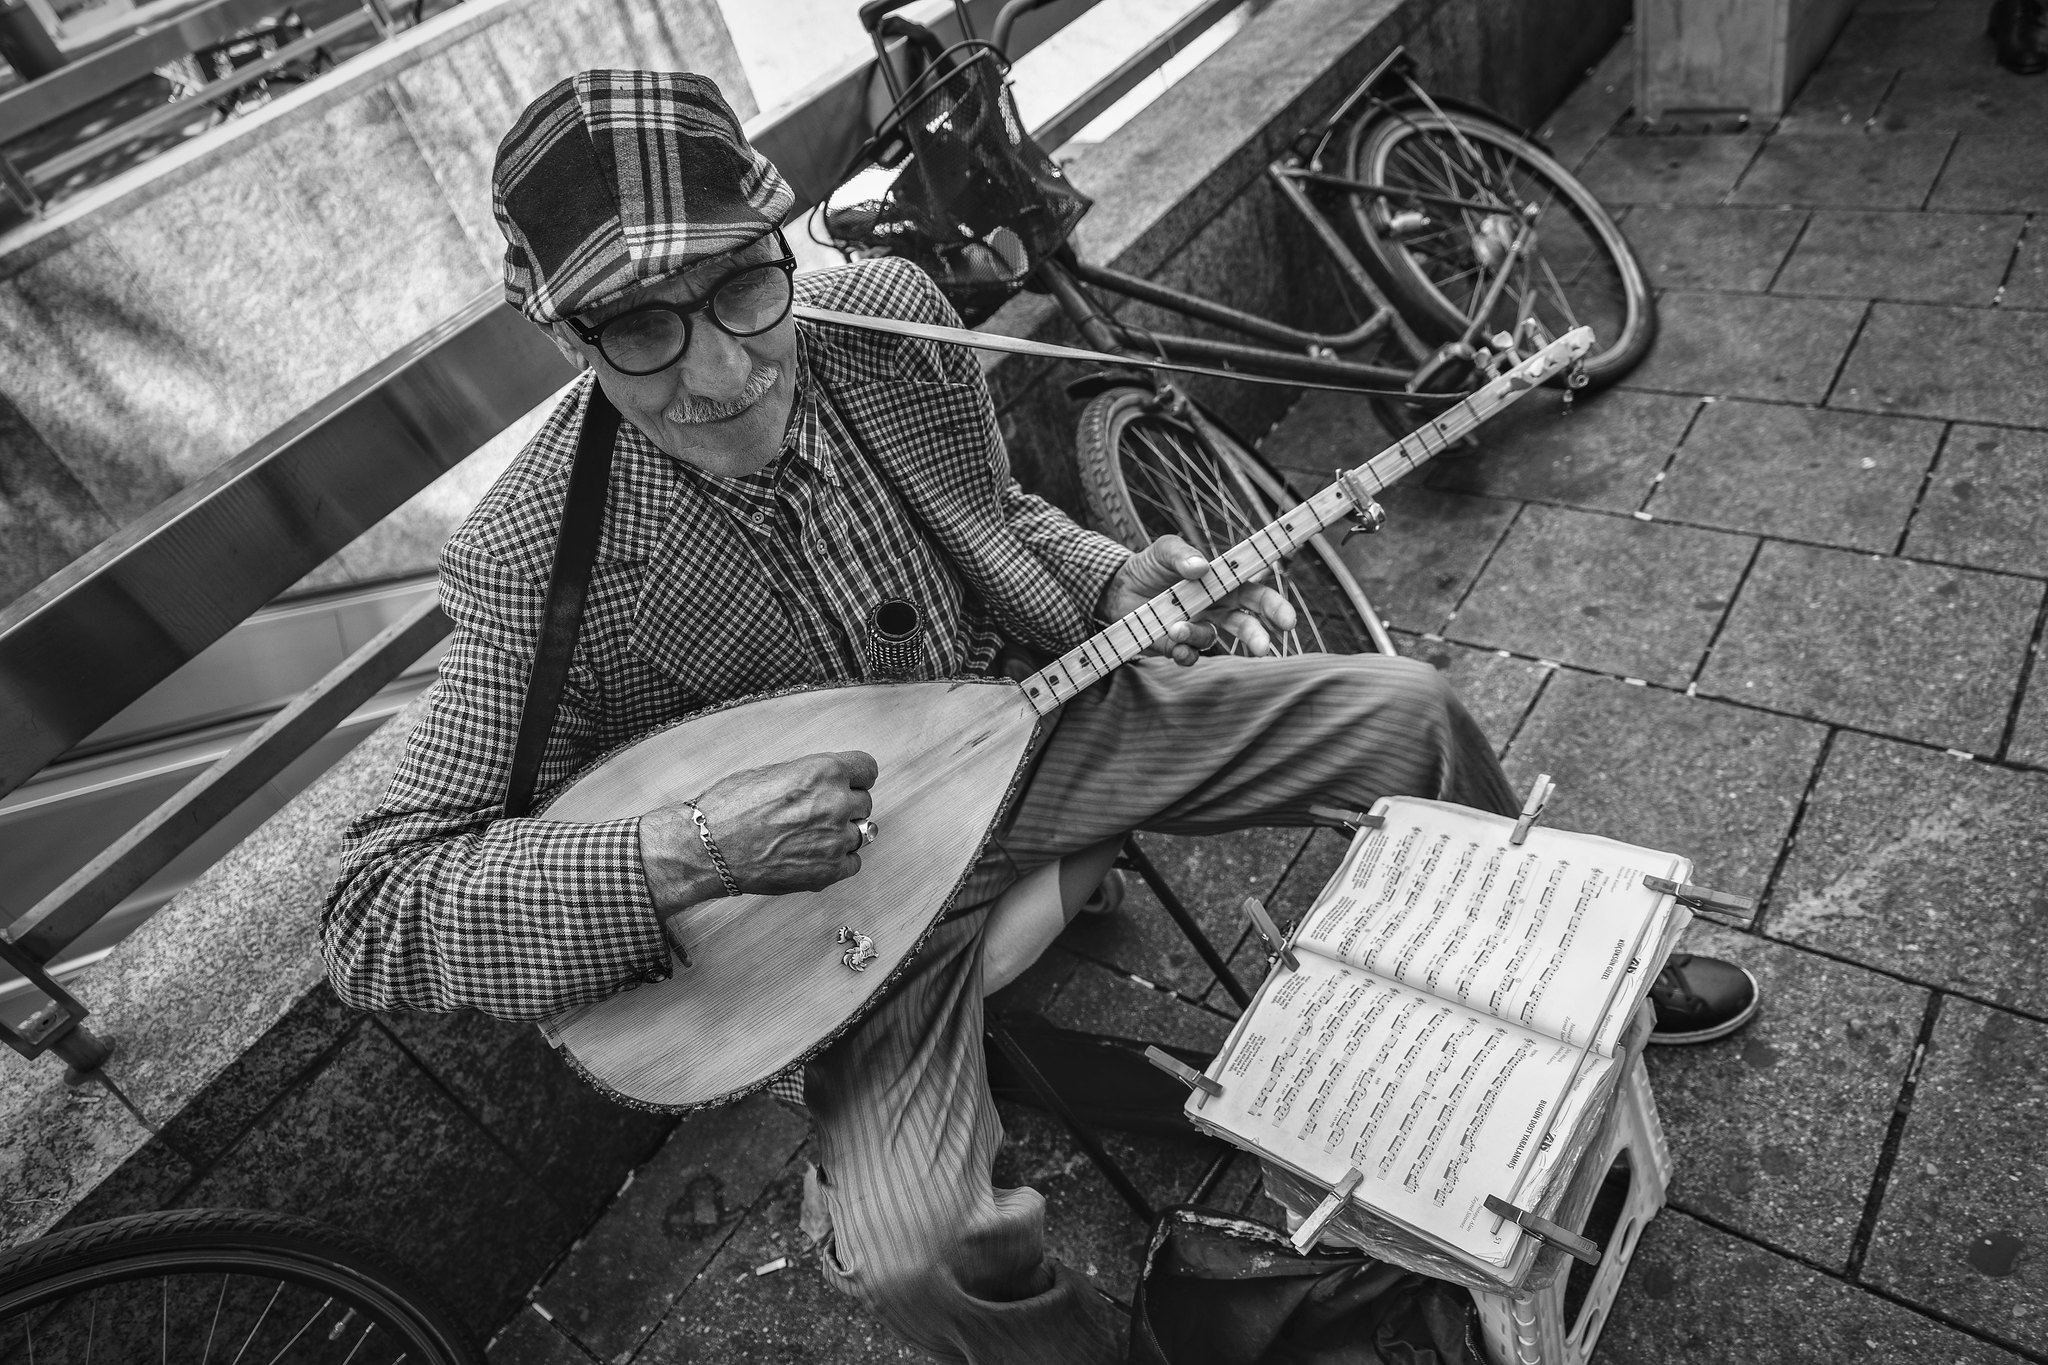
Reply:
x=906 y=1133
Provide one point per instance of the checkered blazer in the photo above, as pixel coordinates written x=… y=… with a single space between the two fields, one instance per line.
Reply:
x=442 y=903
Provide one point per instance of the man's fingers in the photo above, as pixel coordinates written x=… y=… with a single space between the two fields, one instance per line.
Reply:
x=858 y=767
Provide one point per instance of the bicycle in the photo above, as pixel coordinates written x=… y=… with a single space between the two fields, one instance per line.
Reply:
x=185 y=1283
x=1471 y=240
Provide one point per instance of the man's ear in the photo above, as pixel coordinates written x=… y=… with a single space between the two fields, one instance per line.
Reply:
x=566 y=342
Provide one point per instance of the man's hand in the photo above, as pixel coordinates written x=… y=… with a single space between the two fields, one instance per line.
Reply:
x=786 y=827
x=1249 y=613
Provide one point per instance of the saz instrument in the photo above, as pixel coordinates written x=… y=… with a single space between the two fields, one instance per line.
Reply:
x=765 y=982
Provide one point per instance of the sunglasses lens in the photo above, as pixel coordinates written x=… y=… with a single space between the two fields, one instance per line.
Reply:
x=641 y=343
x=752 y=301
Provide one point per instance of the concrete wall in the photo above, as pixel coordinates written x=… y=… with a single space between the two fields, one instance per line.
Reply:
x=461 y=1141
x=158 y=325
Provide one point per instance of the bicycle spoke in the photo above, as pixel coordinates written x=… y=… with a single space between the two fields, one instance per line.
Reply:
x=214 y=1326
x=259 y=1323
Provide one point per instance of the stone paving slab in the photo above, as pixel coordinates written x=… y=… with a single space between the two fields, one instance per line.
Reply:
x=2026 y=285
x=530 y=1339
x=1803 y=473
x=1776 y=1133
x=1748 y=346
x=1965 y=1214
x=1707 y=248
x=1594 y=108
x=2030 y=733
x=1716 y=783
x=1668 y=170
x=1494 y=687
x=1603 y=592
x=1977 y=97
x=1970 y=364
x=1924 y=865
x=1880 y=170
x=1995 y=172
x=1914 y=257
x=1696 y=1295
x=1987 y=502
x=1606 y=453
x=1915 y=650
x=1417 y=568
x=1097 y=1000
x=619 y=1283
x=1839 y=97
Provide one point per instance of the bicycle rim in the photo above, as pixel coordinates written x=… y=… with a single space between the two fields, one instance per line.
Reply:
x=226 y=1286
x=1147 y=474
x=1580 y=270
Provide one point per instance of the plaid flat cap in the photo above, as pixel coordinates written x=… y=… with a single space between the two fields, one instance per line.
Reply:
x=615 y=179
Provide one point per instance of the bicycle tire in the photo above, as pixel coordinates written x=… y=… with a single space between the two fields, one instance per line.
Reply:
x=1585 y=270
x=1147 y=473
x=139 y=1275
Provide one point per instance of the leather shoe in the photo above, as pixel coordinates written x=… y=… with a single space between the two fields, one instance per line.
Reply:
x=2016 y=30
x=1698 y=999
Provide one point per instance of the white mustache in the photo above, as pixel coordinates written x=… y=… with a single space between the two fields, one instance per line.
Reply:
x=690 y=410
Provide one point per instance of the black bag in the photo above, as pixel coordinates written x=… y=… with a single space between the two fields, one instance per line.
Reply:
x=1218 y=1290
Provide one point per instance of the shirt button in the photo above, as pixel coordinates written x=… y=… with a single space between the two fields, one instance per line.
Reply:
x=760 y=518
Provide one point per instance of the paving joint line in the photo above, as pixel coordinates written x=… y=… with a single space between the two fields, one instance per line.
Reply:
x=1692 y=420
x=2012 y=262
x=1955 y=140
x=1785 y=845
x=1635 y=386
x=1741 y=581
x=1464 y=596
x=1842 y=365
x=1926 y=482
x=2026 y=680
x=1890 y=1296
x=1895 y=1132
x=1785 y=260
x=1943 y=987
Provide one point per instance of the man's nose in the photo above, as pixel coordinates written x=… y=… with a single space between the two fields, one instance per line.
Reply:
x=717 y=363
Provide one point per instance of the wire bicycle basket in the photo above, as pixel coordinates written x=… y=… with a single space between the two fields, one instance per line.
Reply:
x=951 y=180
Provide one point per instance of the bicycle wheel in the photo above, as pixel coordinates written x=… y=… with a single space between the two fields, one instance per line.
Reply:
x=1146 y=473
x=1440 y=262
x=201 y=1285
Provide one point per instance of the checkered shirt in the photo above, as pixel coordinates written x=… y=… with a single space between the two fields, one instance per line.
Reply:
x=442 y=903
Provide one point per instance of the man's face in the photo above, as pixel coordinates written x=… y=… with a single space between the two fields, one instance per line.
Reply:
x=723 y=406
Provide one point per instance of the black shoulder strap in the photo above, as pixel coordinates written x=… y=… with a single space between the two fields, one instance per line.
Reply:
x=568 y=584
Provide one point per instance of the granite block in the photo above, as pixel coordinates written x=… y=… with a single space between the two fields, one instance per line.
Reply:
x=61 y=1148
x=1417 y=568
x=1987 y=502
x=530 y=1339
x=1971 y=364
x=373 y=220
x=1902 y=648
x=1920 y=864
x=574 y=1142
x=1993 y=172
x=1803 y=473
x=2029 y=742
x=1879 y=170
x=47 y=519
x=1608 y=593
x=669 y=1222
x=1719 y=784
x=1668 y=170
x=1915 y=257
x=1707 y=248
x=1966 y=1212
x=784 y=1317
x=457 y=104
x=1494 y=687
x=2026 y=285
x=1604 y=452
x=1211 y=875
x=1777 y=1131
x=1748 y=346
x=1097 y=1000
x=277 y=1061
x=1697 y=1294
x=370 y=1143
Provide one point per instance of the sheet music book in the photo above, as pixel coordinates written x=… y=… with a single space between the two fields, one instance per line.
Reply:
x=1455 y=1012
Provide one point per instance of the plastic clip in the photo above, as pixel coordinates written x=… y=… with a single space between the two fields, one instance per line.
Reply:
x=1532 y=809
x=1276 y=942
x=1182 y=1072
x=1543 y=1230
x=1350 y=819
x=1312 y=1226
x=1366 y=515
x=1724 y=907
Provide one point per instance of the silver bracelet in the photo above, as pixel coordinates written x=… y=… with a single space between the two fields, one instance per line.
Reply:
x=732 y=888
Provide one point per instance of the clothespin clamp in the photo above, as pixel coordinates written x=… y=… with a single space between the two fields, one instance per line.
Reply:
x=1312 y=1226
x=1723 y=907
x=1349 y=819
x=1263 y=926
x=1366 y=515
x=1543 y=1230
x=1532 y=809
x=1181 y=1071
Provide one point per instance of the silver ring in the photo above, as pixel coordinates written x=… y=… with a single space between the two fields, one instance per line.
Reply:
x=868 y=830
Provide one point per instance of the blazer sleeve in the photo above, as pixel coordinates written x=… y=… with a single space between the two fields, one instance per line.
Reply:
x=444 y=904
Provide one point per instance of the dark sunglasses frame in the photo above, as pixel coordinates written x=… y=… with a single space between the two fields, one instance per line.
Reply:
x=594 y=336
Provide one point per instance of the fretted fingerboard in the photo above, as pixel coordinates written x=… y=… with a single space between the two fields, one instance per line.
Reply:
x=1257 y=554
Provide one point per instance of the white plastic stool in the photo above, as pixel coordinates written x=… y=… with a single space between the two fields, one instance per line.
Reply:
x=1530 y=1328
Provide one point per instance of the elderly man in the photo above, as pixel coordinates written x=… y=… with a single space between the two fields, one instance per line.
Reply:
x=772 y=481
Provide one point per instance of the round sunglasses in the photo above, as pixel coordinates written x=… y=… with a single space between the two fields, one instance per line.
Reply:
x=745 y=302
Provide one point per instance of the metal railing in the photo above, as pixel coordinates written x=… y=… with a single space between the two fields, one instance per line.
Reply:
x=107 y=628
